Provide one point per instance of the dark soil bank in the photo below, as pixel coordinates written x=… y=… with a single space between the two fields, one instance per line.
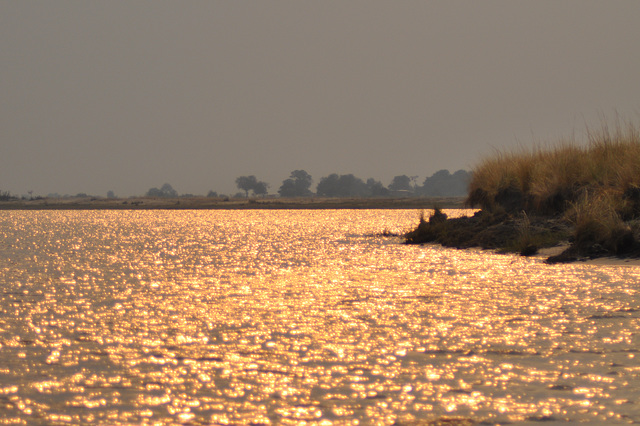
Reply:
x=517 y=233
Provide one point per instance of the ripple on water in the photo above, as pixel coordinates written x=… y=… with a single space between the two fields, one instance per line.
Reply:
x=290 y=316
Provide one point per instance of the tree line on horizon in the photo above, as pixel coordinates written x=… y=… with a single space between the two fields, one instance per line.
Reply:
x=299 y=184
x=441 y=184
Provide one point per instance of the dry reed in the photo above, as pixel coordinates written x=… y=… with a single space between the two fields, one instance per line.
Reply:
x=595 y=186
x=552 y=180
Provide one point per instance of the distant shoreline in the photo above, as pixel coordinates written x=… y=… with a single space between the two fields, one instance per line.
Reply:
x=205 y=203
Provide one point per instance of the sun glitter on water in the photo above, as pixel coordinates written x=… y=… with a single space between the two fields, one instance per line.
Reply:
x=284 y=317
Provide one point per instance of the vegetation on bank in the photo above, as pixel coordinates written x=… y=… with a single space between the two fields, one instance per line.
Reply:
x=588 y=195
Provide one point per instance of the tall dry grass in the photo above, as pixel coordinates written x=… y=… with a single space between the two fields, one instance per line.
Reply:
x=597 y=220
x=595 y=186
x=553 y=179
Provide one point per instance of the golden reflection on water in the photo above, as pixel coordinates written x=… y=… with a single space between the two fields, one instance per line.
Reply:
x=285 y=317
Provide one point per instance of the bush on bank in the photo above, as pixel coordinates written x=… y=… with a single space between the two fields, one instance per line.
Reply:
x=553 y=180
x=593 y=190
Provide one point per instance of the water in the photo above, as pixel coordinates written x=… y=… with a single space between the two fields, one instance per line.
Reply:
x=286 y=317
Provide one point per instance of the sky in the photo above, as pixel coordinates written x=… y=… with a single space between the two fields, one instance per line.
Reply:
x=127 y=95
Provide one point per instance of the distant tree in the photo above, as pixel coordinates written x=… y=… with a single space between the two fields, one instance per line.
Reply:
x=5 y=196
x=401 y=183
x=154 y=192
x=251 y=183
x=246 y=183
x=460 y=184
x=288 y=188
x=437 y=184
x=352 y=186
x=111 y=194
x=260 y=188
x=442 y=184
x=375 y=188
x=212 y=194
x=166 y=191
x=303 y=178
x=336 y=185
x=328 y=186
x=297 y=185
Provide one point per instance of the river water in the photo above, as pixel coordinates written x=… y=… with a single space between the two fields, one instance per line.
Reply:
x=287 y=317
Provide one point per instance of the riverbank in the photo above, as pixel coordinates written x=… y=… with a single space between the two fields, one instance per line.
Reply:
x=584 y=195
x=204 y=203
x=552 y=238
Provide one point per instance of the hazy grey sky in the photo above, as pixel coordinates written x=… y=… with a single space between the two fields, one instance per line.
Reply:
x=127 y=95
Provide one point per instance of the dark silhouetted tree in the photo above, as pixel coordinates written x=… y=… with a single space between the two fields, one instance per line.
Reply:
x=401 y=183
x=460 y=183
x=444 y=184
x=288 y=188
x=297 y=185
x=154 y=192
x=212 y=194
x=246 y=183
x=166 y=191
x=328 y=186
x=111 y=194
x=260 y=188
x=341 y=186
x=375 y=188
x=302 y=177
x=251 y=183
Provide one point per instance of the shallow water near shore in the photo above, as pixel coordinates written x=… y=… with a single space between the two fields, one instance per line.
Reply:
x=285 y=317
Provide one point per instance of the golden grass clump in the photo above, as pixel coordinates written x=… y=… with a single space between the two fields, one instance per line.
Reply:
x=555 y=179
x=597 y=220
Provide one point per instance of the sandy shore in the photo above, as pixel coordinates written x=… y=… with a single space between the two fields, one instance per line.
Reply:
x=200 y=203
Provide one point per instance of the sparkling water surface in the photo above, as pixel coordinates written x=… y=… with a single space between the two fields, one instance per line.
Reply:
x=300 y=317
